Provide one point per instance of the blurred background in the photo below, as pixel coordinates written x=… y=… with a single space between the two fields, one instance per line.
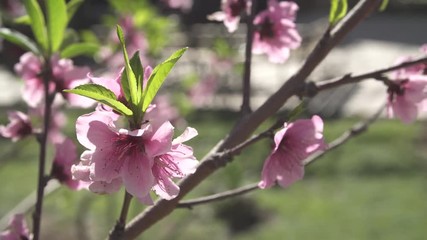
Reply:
x=374 y=187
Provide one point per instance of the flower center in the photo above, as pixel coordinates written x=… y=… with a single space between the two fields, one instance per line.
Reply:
x=266 y=29
x=58 y=172
x=128 y=145
x=396 y=89
x=237 y=7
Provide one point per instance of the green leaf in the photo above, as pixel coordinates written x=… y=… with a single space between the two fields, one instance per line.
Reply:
x=384 y=5
x=57 y=22
x=72 y=7
x=89 y=36
x=38 y=24
x=19 y=39
x=23 y=20
x=78 y=49
x=128 y=80
x=338 y=11
x=138 y=70
x=102 y=95
x=158 y=76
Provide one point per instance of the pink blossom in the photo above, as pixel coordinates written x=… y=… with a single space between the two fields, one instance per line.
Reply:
x=29 y=68
x=406 y=98
x=276 y=31
x=18 y=229
x=121 y=155
x=294 y=143
x=19 y=126
x=408 y=91
x=65 y=156
x=65 y=76
x=177 y=163
x=230 y=14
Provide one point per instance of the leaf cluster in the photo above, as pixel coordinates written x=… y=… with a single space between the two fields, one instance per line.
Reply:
x=137 y=97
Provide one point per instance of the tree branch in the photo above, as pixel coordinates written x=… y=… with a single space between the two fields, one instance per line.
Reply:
x=117 y=231
x=246 y=103
x=218 y=196
x=348 y=78
x=162 y=207
x=42 y=178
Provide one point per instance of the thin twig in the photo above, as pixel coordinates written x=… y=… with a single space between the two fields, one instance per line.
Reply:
x=246 y=103
x=352 y=132
x=218 y=196
x=242 y=131
x=118 y=229
x=42 y=178
x=348 y=78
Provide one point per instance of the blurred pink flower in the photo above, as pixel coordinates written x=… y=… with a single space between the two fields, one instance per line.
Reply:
x=65 y=156
x=19 y=126
x=17 y=229
x=230 y=14
x=121 y=155
x=163 y=110
x=201 y=93
x=294 y=143
x=65 y=76
x=276 y=31
x=58 y=120
x=184 y=5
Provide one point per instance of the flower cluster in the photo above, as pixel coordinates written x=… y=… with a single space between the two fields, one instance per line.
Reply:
x=143 y=158
x=407 y=93
x=65 y=75
x=294 y=143
x=276 y=31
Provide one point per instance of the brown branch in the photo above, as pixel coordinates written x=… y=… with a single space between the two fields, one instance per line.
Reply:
x=219 y=196
x=117 y=231
x=246 y=102
x=348 y=78
x=162 y=207
x=42 y=178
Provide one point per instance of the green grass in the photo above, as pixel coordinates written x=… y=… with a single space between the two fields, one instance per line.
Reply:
x=374 y=187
